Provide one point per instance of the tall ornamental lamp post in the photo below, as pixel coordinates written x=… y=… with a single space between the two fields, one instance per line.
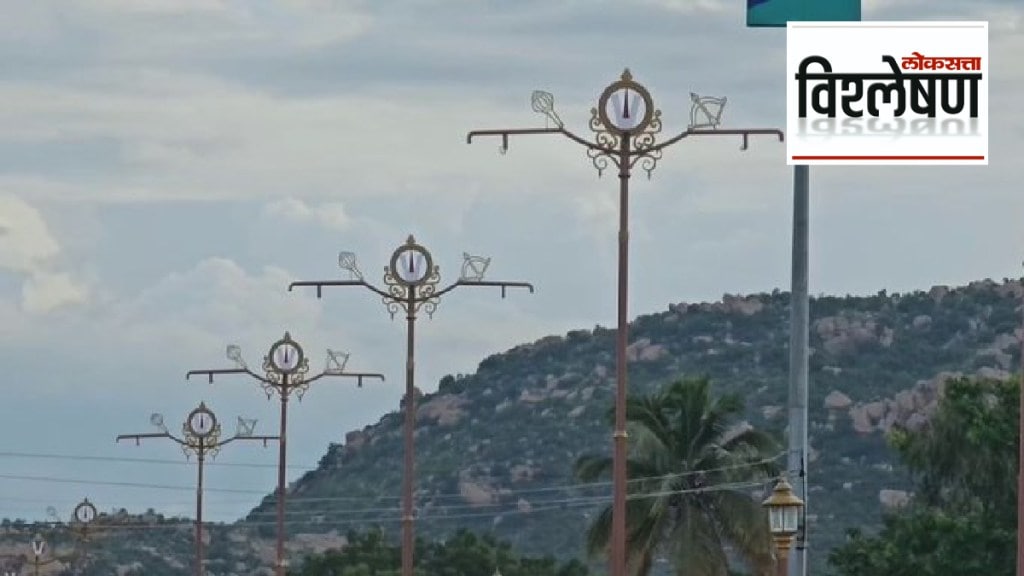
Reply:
x=200 y=435
x=626 y=126
x=784 y=521
x=285 y=367
x=81 y=520
x=411 y=285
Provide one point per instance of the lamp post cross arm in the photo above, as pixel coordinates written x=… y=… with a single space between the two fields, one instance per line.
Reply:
x=359 y=376
x=503 y=285
x=506 y=132
x=139 y=437
x=263 y=439
x=745 y=132
x=321 y=284
x=211 y=373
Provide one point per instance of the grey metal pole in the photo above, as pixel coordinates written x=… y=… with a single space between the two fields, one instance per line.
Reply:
x=798 y=357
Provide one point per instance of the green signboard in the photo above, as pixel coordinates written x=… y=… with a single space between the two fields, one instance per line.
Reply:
x=775 y=13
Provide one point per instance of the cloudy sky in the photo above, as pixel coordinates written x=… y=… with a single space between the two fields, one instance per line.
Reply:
x=168 y=166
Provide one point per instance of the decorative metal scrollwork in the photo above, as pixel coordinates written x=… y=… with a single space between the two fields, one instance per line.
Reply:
x=639 y=131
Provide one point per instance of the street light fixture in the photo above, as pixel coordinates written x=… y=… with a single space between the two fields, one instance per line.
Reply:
x=285 y=366
x=39 y=548
x=200 y=436
x=81 y=519
x=626 y=125
x=411 y=285
x=784 y=521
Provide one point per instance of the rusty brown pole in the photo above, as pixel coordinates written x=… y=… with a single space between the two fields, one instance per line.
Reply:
x=201 y=458
x=782 y=565
x=618 y=552
x=408 y=540
x=408 y=290
x=636 y=142
x=281 y=467
x=282 y=379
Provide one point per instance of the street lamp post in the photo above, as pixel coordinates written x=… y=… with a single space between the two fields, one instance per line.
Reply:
x=81 y=519
x=410 y=285
x=783 y=520
x=200 y=436
x=39 y=547
x=626 y=125
x=285 y=366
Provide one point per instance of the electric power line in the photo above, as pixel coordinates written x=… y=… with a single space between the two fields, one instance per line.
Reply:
x=569 y=504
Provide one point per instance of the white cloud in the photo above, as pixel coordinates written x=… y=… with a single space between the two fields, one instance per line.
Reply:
x=44 y=292
x=215 y=299
x=28 y=248
x=25 y=239
x=330 y=215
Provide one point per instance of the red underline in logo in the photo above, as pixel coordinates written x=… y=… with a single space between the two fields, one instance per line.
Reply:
x=888 y=157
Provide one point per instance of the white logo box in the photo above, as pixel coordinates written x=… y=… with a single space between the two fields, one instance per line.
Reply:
x=933 y=66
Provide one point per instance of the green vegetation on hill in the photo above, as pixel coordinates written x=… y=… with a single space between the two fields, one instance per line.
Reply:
x=464 y=554
x=496 y=448
x=962 y=520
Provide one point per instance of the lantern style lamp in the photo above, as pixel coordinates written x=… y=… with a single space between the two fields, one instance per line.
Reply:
x=783 y=520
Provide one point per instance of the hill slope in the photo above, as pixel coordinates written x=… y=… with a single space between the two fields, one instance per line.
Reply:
x=495 y=448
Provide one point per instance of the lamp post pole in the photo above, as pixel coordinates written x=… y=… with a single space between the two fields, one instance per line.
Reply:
x=410 y=285
x=784 y=509
x=626 y=125
x=200 y=436
x=286 y=367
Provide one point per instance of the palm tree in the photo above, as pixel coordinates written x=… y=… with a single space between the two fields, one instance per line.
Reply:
x=691 y=471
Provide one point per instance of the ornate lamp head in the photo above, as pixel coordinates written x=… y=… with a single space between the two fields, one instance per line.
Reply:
x=411 y=264
x=625 y=107
x=783 y=510
x=85 y=512
x=625 y=119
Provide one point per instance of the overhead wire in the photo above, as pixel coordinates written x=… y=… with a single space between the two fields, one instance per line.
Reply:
x=442 y=512
x=568 y=504
x=269 y=495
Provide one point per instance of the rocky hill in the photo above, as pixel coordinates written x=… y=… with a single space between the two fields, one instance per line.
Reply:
x=495 y=448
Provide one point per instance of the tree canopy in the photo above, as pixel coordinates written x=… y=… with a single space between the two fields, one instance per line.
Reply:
x=464 y=554
x=962 y=519
x=692 y=467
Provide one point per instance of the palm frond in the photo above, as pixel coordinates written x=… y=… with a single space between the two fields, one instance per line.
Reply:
x=744 y=523
x=589 y=468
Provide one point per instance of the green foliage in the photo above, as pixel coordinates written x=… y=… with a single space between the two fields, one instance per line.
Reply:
x=464 y=554
x=522 y=451
x=929 y=542
x=691 y=472
x=963 y=520
x=967 y=458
